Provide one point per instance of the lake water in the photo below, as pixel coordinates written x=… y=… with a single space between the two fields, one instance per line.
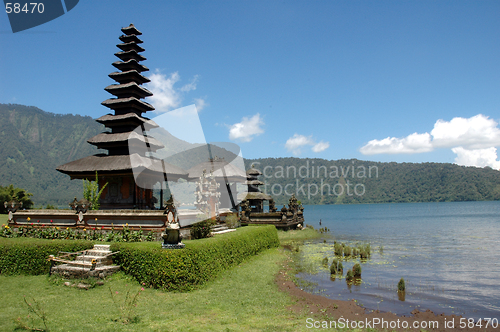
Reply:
x=448 y=254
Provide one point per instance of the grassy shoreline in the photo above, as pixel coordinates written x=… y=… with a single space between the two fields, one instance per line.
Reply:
x=244 y=297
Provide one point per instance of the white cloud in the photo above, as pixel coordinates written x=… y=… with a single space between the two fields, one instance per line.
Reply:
x=477 y=132
x=297 y=142
x=200 y=104
x=321 y=146
x=414 y=143
x=477 y=157
x=472 y=139
x=190 y=86
x=166 y=96
x=247 y=129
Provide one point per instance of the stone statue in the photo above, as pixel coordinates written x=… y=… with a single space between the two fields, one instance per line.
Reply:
x=272 y=206
x=172 y=237
x=292 y=204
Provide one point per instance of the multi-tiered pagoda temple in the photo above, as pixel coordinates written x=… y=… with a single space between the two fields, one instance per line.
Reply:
x=252 y=206
x=254 y=198
x=128 y=149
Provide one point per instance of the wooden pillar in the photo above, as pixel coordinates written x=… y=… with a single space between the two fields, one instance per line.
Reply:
x=161 y=198
x=134 y=201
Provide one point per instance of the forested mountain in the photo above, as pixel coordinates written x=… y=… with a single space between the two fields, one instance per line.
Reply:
x=33 y=143
x=356 y=181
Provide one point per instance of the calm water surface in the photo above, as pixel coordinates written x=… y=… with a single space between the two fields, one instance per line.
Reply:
x=448 y=254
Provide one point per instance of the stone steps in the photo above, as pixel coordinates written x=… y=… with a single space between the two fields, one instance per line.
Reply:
x=221 y=229
x=95 y=262
x=79 y=270
x=229 y=230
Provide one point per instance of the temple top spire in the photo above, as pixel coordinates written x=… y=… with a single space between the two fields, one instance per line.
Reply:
x=128 y=90
x=131 y=30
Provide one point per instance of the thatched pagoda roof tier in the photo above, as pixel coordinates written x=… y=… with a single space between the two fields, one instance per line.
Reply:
x=254 y=183
x=130 y=38
x=219 y=168
x=254 y=172
x=127 y=103
x=126 y=90
x=120 y=164
x=253 y=196
x=131 y=30
x=130 y=46
x=106 y=138
x=132 y=119
x=129 y=76
x=125 y=56
x=131 y=64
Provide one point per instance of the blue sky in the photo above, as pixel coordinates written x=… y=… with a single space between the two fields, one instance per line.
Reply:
x=405 y=81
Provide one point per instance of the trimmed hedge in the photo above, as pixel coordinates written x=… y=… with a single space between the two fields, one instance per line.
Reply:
x=29 y=256
x=173 y=270
x=200 y=261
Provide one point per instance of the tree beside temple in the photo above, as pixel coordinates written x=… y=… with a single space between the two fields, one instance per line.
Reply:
x=11 y=193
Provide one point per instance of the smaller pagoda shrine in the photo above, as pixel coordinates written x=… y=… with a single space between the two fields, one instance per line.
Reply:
x=254 y=197
x=252 y=206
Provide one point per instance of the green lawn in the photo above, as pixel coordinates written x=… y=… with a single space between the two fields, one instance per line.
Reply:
x=4 y=219
x=243 y=298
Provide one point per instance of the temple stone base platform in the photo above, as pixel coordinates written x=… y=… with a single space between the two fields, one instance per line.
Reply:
x=147 y=220
x=95 y=262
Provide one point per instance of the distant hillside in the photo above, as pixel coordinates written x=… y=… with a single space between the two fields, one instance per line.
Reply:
x=34 y=143
x=373 y=182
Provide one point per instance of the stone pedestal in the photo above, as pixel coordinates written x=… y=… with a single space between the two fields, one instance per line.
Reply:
x=172 y=239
